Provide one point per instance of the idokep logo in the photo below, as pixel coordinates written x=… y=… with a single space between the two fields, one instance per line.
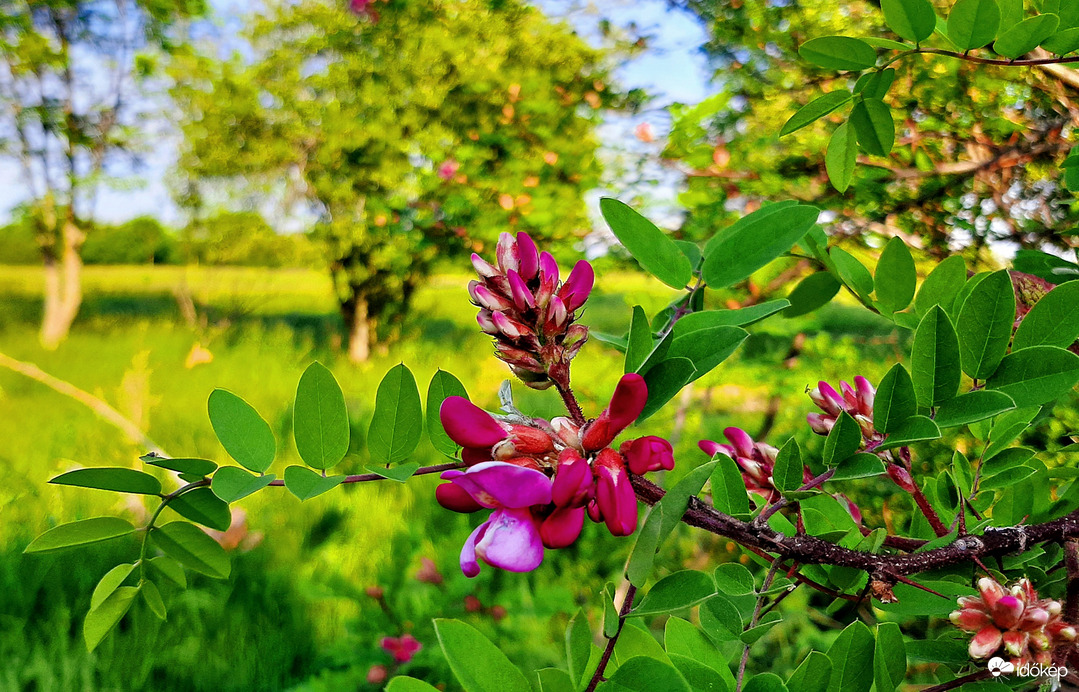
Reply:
x=998 y=666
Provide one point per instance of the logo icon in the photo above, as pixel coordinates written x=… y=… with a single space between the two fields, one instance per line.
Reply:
x=998 y=666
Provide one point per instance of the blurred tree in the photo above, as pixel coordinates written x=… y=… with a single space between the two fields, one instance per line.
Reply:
x=412 y=130
x=70 y=74
x=245 y=238
x=976 y=158
x=142 y=240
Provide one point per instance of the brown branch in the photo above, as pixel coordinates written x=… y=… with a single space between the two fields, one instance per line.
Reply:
x=627 y=604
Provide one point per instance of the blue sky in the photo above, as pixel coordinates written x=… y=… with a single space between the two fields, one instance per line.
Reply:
x=672 y=69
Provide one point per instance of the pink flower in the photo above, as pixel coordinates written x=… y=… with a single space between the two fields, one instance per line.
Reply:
x=1015 y=619
x=562 y=527
x=615 y=498
x=626 y=405
x=509 y=539
x=755 y=460
x=578 y=286
x=649 y=453
x=448 y=169
x=402 y=648
x=468 y=425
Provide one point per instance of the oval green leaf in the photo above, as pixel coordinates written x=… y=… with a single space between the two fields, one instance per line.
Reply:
x=231 y=483
x=187 y=466
x=676 y=592
x=1026 y=35
x=652 y=248
x=754 y=241
x=398 y=418
x=895 y=278
x=243 y=433
x=118 y=480
x=811 y=293
x=973 y=23
x=305 y=483
x=873 y=124
x=320 y=418
x=109 y=583
x=942 y=285
x=841 y=157
x=815 y=109
x=972 y=407
x=477 y=663
x=839 y=53
x=1053 y=321
x=204 y=507
x=985 y=325
x=190 y=546
x=913 y=20
x=100 y=621
x=935 y=359
x=443 y=385
x=80 y=533
x=1036 y=375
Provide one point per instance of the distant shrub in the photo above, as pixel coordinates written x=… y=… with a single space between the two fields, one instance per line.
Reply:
x=245 y=238
x=143 y=240
x=17 y=244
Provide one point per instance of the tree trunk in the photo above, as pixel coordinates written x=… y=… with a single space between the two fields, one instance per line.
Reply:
x=359 y=333
x=63 y=287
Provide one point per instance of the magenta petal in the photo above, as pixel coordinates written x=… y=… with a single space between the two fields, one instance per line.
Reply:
x=498 y=484
x=527 y=256
x=577 y=287
x=468 y=425
x=469 y=564
x=740 y=440
x=522 y=297
x=511 y=541
x=628 y=401
x=548 y=268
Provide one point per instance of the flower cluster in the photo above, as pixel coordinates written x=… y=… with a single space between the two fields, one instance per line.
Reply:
x=402 y=648
x=858 y=402
x=1015 y=619
x=541 y=478
x=755 y=460
x=529 y=312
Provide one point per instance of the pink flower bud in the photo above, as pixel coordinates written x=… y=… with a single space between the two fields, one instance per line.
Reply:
x=985 y=642
x=740 y=441
x=548 y=270
x=527 y=440
x=468 y=425
x=572 y=480
x=592 y=509
x=970 y=619
x=456 y=499
x=527 y=256
x=822 y=425
x=577 y=287
x=991 y=591
x=562 y=527
x=505 y=325
x=901 y=477
x=1034 y=619
x=506 y=253
x=711 y=448
x=485 y=297
x=484 y=268
x=626 y=405
x=567 y=432
x=1015 y=643
x=649 y=453
x=519 y=358
x=614 y=494
x=485 y=318
x=1007 y=612
x=866 y=393
x=828 y=399
x=522 y=297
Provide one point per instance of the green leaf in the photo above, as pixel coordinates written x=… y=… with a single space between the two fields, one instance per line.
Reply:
x=171 y=569
x=1036 y=375
x=400 y=473
x=707 y=348
x=815 y=109
x=852 y=659
x=675 y=592
x=639 y=344
x=554 y=680
x=109 y=583
x=675 y=500
x=720 y=620
x=153 y=599
x=652 y=248
x=872 y=121
x=935 y=359
x=398 y=418
x=194 y=467
x=80 y=533
x=684 y=640
x=578 y=648
x=852 y=272
x=862 y=465
x=1011 y=13
x=403 y=683
x=243 y=433
x=643 y=556
x=202 y=506
x=788 y=471
x=889 y=658
x=751 y=635
x=1026 y=35
x=734 y=579
x=119 y=480
x=942 y=285
x=916 y=602
x=741 y=317
x=611 y=622
x=728 y=491
x=100 y=621
x=1053 y=321
x=845 y=437
x=443 y=385
x=812 y=675
x=895 y=401
x=876 y=84
x=973 y=23
x=1063 y=42
x=320 y=419
x=896 y=277
x=190 y=546
x=972 y=407
x=913 y=20
x=765 y=682
x=841 y=157
x=644 y=674
x=839 y=53
x=305 y=483
x=754 y=241
x=232 y=483
x=664 y=381
x=1007 y=427
x=477 y=663
x=913 y=429
x=701 y=676
x=812 y=292
x=985 y=325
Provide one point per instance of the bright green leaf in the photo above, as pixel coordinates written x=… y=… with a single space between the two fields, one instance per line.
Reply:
x=788 y=471
x=320 y=418
x=841 y=156
x=651 y=247
x=754 y=241
x=477 y=664
x=675 y=592
x=242 y=431
x=973 y=23
x=812 y=292
x=639 y=344
x=812 y=675
x=839 y=53
x=153 y=599
x=935 y=359
x=109 y=583
x=1036 y=375
x=398 y=418
x=232 y=483
x=664 y=381
x=1053 y=321
x=844 y=438
x=942 y=285
x=896 y=277
x=852 y=659
x=913 y=20
x=1026 y=35
x=305 y=483
x=644 y=674
x=100 y=621
x=815 y=109
x=443 y=385
x=889 y=658
x=972 y=407
x=80 y=533
x=118 y=480
x=913 y=429
x=852 y=272
x=985 y=325
x=873 y=124
x=728 y=491
x=202 y=506
x=193 y=548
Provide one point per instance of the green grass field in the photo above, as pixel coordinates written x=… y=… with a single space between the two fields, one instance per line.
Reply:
x=294 y=615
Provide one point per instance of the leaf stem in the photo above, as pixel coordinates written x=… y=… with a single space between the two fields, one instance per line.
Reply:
x=627 y=604
x=753 y=622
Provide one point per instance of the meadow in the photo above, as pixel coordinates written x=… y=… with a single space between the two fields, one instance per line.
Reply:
x=153 y=342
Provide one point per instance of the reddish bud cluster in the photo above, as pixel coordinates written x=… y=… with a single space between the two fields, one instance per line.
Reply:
x=542 y=478
x=402 y=648
x=1026 y=627
x=756 y=461
x=529 y=312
